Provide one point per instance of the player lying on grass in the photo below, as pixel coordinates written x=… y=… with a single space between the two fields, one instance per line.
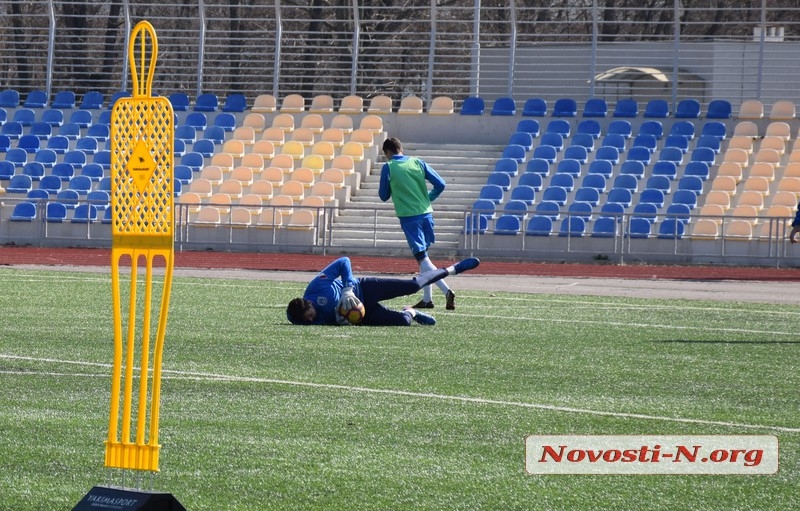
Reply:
x=335 y=286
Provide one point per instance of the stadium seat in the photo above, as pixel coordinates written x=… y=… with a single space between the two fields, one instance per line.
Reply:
x=9 y=98
x=475 y=224
x=588 y=195
x=92 y=100
x=569 y=166
x=565 y=107
x=522 y=138
x=555 y=194
x=485 y=208
x=626 y=181
x=641 y=154
x=545 y=152
x=55 y=212
x=7 y=169
x=595 y=107
x=656 y=108
x=382 y=105
x=682 y=142
x=596 y=181
x=653 y=196
x=12 y=130
x=639 y=228
x=645 y=210
x=719 y=109
x=83 y=118
x=493 y=193
x=608 y=153
x=503 y=106
x=620 y=127
x=589 y=127
x=665 y=168
x=34 y=169
x=601 y=167
x=532 y=179
x=621 y=196
x=573 y=226
x=749 y=109
x=539 y=166
x=23 y=212
x=206 y=102
x=549 y=209
x=563 y=180
x=516 y=208
x=671 y=228
x=645 y=140
x=19 y=184
x=524 y=193
x=84 y=213
x=507 y=225
x=577 y=153
x=604 y=227
x=552 y=139
x=64 y=99
x=411 y=105
x=440 y=105
x=530 y=126
x=652 y=127
x=580 y=209
x=584 y=140
x=500 y=179
x=687 y=109
x=235 y=103
x=473 y=105
x=626 y=108
x=539 y=225
x=265 y=103
x=782 y=110
x=507 y=165
x=534 y=107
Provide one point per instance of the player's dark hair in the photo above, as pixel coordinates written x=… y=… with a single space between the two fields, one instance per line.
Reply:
x=296 y=311
x=392 y=145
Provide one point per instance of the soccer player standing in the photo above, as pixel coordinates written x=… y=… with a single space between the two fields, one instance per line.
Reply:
x=405 y=180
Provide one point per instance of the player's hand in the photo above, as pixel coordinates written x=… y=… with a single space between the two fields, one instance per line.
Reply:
x=349 y=300
x=792 y=241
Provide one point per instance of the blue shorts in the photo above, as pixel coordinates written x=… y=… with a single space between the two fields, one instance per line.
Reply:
x=419 y=232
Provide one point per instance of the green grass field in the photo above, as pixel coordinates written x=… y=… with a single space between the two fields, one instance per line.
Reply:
x=257 y=414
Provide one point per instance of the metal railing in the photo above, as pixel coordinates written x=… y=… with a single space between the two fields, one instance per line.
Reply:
x=500 y=48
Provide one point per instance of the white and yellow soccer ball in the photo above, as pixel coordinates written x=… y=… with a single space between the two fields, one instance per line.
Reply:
x=354 y=314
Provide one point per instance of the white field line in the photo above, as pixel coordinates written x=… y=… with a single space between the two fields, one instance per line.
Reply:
x=191 y=375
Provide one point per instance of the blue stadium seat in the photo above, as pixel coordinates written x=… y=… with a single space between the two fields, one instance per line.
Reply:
x=679 y=212
x=687 y=197
x=538 y=165
x=561 y=180
x=88 y=145
x=99 y=132
x=235 y=102
x=93 y=171
x=589 y=127
x=206 y=102
x=534 y=107
x=504 y=106
x=30 y=143
x=576 y=152
x=681 y=142
x=193 y=160
x=545 y=152
x=18 y=156
x=569 y=166
x=58 y=143
x=539 y=225
x=183 y=173
x=573 y=226
x=613 y=210
x=13 y=130
x=709 y=141
x=715 y=129
x=555 y=194
x=215 y=133
x=34 y=169
x=42 y=130
x=36 y=99
x=493 y=193
x=68 y=198
x=531 y=126
x=517 y=208
x=507 y=225
x=9 y=98
x=64 y=99
x=719 y=109
x=53 y=116
x=626 y=181
x=24 y=116
x=604 y=227
x=92 y=100
x=522 y=138
x=620 y=196
x=80 y=184
x=645 y=140
x=50 y=183
x=601 y=167
x=665 y=168
x=500 y=179
x=205 y=147
x=70 y=130
x=671 y=228
x=515 y=152
x=116 y=97
x=555 y=140
x=83 y=118
x=685 y=128
x=23 y=212
x=645 y=210
x=596 y=181
x=225 y=120
x=64 y=171
x=507 y=165
x=187 y=133
x=580 y=209
x=652 y=127
x=620 y=127
x=639 y=153
x=3 y=116
x=687 y=109
x=652 y=196
x=84 y=213
x=5 y=143
x=639 y=228
x=484 y=207
x=697 y=168
x=524 y=193
x=19 y=183
x=473 y=105
x=55 y=212
x=704 y=154
x=607 y=153
x=531 y=179
x=549 y=209
x=588 y=195
x=99 y=199
x=475 y=224
x=179 y=101
x=560 y=126
x=626 y=108
x=584 y=140
x=656 y=108
x=616 y=141
x=565 y=107
x=595 y=107
x=103 y=158
x=692 y=183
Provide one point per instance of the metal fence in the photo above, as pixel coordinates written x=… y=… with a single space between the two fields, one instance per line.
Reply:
x=493 y=48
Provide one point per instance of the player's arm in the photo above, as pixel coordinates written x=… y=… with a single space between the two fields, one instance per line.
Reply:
x=340 y=268
x=434 y=179
x=384 y=188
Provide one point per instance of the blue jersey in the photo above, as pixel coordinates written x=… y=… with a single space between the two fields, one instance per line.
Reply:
x=325 y=290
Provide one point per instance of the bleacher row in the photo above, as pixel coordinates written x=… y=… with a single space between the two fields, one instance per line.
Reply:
x=667 y=175
x=61 y=153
